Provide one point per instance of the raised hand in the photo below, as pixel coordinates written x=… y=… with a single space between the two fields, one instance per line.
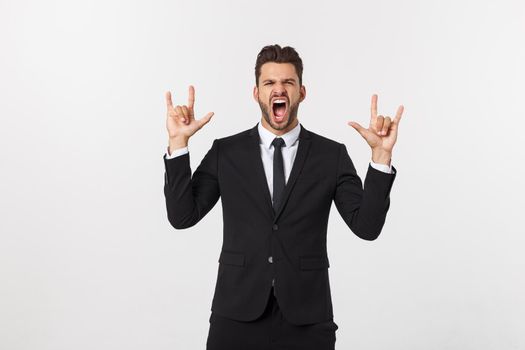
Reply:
x=381 y=134
x=181 y=122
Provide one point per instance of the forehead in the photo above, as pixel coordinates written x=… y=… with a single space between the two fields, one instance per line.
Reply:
x=273 y=70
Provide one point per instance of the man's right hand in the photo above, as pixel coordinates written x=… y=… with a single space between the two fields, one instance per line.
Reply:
x=181 y=122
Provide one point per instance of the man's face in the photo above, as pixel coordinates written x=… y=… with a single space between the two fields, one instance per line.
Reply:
x=279 y=94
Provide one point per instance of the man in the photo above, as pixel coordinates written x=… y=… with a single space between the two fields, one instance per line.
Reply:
x=277 y=181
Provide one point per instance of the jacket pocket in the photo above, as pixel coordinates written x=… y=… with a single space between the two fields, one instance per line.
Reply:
x=231 y=258
x=313 y=262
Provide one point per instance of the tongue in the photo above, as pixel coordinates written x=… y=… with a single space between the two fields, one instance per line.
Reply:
x=279 y=111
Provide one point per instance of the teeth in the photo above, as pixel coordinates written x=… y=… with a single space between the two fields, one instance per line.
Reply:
x=279 y=101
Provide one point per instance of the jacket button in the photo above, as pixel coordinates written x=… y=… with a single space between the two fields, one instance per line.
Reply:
x=275 y=227
x=270 y=259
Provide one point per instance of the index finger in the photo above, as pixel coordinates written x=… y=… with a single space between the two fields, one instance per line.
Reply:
x=373 y=107
x=191 y=96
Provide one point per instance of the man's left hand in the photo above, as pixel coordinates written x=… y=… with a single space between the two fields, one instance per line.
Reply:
x=381 y=134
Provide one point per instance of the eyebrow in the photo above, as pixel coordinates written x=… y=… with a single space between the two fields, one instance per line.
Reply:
x=283 y=80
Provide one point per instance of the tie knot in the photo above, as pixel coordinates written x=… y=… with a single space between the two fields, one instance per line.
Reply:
x=278 y=142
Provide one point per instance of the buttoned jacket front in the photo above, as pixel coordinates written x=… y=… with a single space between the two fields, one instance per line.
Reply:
x=289 y=244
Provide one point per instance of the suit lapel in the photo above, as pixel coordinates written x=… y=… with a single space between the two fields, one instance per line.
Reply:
x=255 y=164
x=262 y=184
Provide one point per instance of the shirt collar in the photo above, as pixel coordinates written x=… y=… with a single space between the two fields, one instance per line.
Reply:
x=266 y=136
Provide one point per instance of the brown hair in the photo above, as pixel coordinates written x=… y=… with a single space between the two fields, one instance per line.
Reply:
x=278 y=54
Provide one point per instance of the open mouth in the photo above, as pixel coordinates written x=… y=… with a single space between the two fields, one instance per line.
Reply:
x=279 y=108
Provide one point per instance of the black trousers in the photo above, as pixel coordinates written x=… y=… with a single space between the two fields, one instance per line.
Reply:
x=269 y=332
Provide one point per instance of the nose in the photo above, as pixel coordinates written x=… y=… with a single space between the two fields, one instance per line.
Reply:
x=279 y=90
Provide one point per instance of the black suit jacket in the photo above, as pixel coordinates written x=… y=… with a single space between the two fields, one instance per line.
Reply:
x=294 y=236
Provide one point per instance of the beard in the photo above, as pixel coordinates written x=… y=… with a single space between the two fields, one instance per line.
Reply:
x=292 y=115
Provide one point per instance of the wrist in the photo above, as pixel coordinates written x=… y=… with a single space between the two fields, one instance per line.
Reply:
x=381 y=157
x=177 y=142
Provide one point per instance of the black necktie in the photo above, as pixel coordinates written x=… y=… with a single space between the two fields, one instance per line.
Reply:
x=278 y=172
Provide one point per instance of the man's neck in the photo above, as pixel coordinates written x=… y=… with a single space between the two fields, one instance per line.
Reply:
x=278 y=132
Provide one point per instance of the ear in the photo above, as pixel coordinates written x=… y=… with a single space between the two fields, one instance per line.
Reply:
x=256 y=93
x=302 y=93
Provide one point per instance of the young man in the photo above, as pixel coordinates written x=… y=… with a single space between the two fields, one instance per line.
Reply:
x=277 y=181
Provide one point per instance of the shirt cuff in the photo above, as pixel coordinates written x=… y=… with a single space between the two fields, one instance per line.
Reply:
x=176 y=152
x=382 y=167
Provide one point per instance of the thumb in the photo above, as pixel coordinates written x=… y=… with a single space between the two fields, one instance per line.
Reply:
x=204 y=120
x=358 y=127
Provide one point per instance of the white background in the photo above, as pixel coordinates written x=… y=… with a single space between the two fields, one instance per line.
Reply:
x=88 y=259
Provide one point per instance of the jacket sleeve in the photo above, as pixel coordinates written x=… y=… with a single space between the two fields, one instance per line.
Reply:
x=363 y=210
x=189 y=198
